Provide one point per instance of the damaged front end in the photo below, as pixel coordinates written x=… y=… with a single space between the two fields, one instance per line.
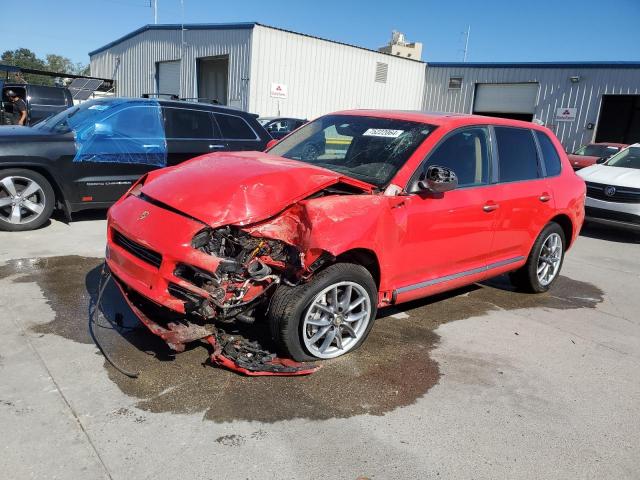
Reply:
x=248 y=269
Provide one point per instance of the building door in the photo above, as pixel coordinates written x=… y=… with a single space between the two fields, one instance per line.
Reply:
x=213 y=77
x=506 y=100
x=168 y=77
x=619 y=120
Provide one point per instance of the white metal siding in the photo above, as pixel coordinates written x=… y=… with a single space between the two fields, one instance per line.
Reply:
x=169 y=77
x=506 y=97
x=556 y=91
x=323 y=76
x=138 y=56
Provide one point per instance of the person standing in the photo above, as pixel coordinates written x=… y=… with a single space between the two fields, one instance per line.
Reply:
x=19 y=108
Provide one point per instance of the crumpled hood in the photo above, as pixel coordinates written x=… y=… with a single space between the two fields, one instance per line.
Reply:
x=239 y=188
x=618 y=176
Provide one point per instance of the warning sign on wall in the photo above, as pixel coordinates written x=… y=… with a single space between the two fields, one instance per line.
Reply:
x=278 y=90
x=566 y=114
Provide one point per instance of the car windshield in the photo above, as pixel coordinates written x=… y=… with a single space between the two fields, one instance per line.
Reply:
x=74 y=117
x=366 y=148
x=597 y=150
x=627 y=158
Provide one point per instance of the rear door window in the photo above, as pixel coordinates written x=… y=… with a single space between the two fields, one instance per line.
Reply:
x=234 y=127
x=550 y=155
x=188 y=124
x=517 y=154
x=47 y=95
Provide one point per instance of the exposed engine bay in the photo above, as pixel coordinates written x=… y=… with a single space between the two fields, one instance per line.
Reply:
x=249 y=268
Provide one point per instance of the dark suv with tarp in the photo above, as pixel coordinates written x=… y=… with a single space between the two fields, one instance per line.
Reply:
x=89 y=155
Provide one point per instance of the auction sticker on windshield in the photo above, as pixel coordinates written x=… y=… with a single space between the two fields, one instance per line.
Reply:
x=383 y=132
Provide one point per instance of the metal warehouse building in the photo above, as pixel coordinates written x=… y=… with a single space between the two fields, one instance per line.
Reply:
x=580 y=102
x=272 y=72
x=258 y=68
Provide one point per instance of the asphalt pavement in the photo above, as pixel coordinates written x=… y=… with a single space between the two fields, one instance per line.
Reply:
x=481 y=383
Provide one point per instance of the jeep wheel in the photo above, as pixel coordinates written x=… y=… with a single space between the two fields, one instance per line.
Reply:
x=328 y=316
x=26 y=200
x=544 y=263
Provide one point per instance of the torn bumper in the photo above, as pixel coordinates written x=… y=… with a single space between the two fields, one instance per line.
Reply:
x=230 y=352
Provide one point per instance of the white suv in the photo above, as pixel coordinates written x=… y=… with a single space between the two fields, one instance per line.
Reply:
x=613 y=190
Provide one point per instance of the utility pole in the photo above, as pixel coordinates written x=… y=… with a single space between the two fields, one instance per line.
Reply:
x=466 y=43
x=155 y=12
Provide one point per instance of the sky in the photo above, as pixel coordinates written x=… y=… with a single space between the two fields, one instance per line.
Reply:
x=501 y=30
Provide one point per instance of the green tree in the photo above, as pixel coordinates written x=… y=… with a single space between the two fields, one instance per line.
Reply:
x=25 y=58
x=58 y=63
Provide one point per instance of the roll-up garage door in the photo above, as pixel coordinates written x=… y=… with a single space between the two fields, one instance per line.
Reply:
x=169 y=77
x=509 y=100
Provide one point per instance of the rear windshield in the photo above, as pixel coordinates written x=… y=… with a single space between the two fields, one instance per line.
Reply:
x=366 y=148
x=627 y=158
x=597 y=151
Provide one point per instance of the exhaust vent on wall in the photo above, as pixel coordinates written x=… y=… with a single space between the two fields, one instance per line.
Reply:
x=382 y=69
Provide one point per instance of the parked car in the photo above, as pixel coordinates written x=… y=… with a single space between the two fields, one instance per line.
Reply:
x=417 y=204
x=613 y=190
x=279 y=127
x=89 y=155
x=592 y=153
x=42 y=102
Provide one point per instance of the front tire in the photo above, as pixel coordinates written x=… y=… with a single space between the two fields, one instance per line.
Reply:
x=26 y=200
x=328 y=316
x=544 y=263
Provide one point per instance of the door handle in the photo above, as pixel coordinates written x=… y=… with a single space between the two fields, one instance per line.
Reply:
x=216 y=146
x=490 y=207
x=545 y=197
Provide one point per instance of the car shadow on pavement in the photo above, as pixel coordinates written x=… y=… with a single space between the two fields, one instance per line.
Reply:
x=602 y=232
x=83 y=216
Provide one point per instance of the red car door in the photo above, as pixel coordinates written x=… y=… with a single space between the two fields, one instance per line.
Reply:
x=448 y=236
x=524 y=201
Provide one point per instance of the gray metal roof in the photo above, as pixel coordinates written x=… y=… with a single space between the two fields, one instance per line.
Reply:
x=614 y=64
x=229 y=26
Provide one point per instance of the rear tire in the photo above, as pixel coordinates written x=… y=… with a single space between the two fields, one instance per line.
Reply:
x=298 y=314
x=544 y=263
x=26 y=200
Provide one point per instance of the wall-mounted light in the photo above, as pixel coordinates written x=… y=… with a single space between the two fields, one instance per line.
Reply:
x=574 y=79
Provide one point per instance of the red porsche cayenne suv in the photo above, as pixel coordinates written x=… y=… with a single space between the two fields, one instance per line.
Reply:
x=353 y=211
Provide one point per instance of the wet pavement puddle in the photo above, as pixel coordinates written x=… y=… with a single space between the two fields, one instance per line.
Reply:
x=392 y=369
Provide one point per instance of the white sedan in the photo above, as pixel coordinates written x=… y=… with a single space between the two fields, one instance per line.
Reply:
x=613 y=190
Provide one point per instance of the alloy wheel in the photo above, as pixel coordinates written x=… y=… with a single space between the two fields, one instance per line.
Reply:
x=336 y=320
x=22 y=200
x=549 y=259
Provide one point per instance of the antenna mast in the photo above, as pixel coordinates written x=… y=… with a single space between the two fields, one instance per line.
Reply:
x=466 y=43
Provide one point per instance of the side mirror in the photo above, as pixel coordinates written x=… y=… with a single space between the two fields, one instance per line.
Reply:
x=602 y=159
x=103 y=130
x=271 y=143
x=438 y=180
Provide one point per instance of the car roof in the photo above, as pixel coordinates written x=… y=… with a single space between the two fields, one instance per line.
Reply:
x=439 y=118
x=175 y=103
x=281 y=118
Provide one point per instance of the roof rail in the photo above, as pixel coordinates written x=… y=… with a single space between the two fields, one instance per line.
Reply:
x=172 y=96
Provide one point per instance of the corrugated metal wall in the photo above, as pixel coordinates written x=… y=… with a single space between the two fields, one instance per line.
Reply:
x=138 y=57
x=556 y=91
x=323 y=76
